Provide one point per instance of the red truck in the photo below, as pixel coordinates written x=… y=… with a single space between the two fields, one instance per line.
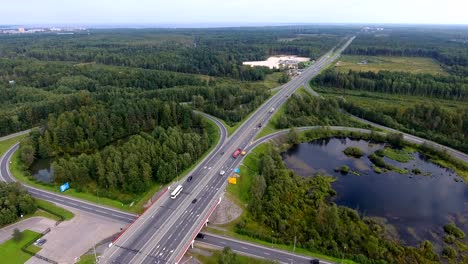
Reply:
x=236 y=153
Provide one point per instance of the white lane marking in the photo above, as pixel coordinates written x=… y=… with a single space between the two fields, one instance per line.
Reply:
x=266 y=253
x=243 y=247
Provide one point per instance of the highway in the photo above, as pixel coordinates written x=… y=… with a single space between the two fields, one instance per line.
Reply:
x=164 y=232
x=253 y=250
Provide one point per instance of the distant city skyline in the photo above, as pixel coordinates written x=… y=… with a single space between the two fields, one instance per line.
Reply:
x=236 y=13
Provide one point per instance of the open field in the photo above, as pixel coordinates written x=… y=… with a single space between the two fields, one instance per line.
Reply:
x=381 y=63
x=11 y=252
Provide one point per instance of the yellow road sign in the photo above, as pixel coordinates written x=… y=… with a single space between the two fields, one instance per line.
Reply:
x=232 y=180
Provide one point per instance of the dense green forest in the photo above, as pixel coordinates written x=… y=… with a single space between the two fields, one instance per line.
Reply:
x=199 y=66
x=125 y=147
x=427 y=85
x=292 y=206
x=304 y=109
x=14 y=202
x=428 y=120
x=215 y=52
x=448 y=45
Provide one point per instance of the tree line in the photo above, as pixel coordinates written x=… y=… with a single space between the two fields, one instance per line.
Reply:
x=428 y=120
x=230 y=101
x=427 y=85
x=303 y=109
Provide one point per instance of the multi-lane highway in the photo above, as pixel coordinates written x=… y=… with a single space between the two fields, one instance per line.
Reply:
x=164 y=232
x=257 y=251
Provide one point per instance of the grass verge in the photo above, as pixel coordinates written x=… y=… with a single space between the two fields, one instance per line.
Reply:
x=51 y=208
x=216 y=254
x=11 y=253
x=6 y=144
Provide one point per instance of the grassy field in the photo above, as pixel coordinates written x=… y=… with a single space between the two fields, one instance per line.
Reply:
x=54 y=210
x=87 y=259
x=22 y=175
x=6 y=144
x=11 y=253
x=271 y=80
x=215 y=256
x=380 y=63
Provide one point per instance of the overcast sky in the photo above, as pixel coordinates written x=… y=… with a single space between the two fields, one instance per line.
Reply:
x=24 y=12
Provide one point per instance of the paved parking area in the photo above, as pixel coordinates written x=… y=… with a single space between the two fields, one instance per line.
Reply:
x=36 y=224
x=73 y=238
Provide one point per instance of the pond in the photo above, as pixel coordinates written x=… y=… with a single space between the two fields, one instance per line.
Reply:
x=42 y=170
x=417 y=206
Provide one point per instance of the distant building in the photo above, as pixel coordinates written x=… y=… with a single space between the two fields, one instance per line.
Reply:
x=12 y=82
x=21 y=30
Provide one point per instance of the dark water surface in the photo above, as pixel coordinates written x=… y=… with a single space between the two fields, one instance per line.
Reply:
x=42 y=170
x=416 y=205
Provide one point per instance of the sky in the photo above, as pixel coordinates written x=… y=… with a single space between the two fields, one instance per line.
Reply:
x=160 y=12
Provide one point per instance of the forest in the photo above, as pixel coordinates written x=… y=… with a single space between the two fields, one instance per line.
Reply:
x=15 y=201
x=444 y=87
x=304 y=109
x=199 y=66
x=123 y=148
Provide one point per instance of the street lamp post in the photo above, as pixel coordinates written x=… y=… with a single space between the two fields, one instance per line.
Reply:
x=342 y=254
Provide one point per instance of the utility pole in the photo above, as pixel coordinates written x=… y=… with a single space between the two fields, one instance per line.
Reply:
x=294 y=250
x=95 y=256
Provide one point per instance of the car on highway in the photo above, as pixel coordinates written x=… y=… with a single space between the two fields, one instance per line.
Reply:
x=189 y=178
x=194 y=200
x=259 y=125
x=200 y=235
x=243 y=153
x=314 y=261
x=272 y=110
x=222 y=172
x=236 y=153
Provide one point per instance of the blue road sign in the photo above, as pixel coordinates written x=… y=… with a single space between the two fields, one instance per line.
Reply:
x=64 y=187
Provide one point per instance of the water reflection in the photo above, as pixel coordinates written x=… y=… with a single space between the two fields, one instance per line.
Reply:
x=42 y=170
x=417 y=205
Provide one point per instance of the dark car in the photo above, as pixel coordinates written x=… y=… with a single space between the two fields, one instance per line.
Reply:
x=194 y=200
x=259 y=125
x=200 y=235
x=189 y=178
x=315 y=261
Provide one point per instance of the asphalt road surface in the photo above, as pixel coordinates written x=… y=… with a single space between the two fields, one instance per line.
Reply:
x=257 y=251
x=164 y=232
